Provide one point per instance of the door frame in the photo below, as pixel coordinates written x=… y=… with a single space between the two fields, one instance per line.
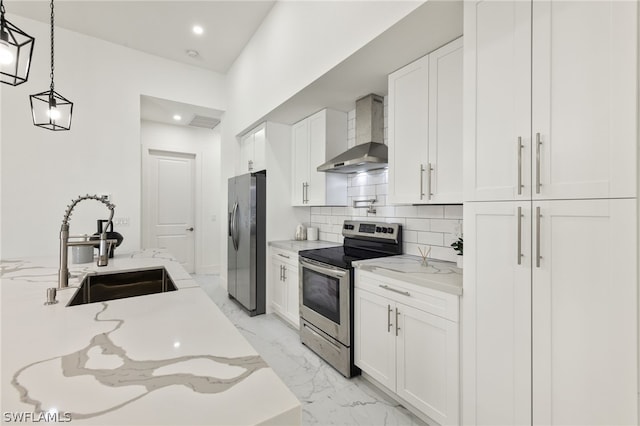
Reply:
x=145 y=208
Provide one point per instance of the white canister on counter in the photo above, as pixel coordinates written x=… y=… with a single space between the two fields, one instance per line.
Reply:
x=301 y=233
x=312 y=234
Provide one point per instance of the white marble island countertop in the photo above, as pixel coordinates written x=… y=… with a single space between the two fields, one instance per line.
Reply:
x=438 y=275
x=169 y=358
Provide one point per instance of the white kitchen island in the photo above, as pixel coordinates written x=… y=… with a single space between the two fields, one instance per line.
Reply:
x=167 y=358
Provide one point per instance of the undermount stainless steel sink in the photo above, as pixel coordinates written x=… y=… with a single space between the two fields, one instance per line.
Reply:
x=119 y=285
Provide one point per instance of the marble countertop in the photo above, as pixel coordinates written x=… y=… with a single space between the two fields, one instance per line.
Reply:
x=295 y=245
x=161 y=359
x=438 y=275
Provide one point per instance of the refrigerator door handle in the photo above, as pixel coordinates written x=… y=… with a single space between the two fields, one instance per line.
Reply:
x=234 y=225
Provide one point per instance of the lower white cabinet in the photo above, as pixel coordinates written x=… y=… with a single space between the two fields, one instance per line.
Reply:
x=407 y=339
x=284 y=285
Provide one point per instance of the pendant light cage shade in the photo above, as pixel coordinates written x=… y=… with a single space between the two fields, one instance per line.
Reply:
x=51 y=110
x=17 y=48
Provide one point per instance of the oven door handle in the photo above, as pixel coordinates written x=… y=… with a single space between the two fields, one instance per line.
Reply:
x=322 y=268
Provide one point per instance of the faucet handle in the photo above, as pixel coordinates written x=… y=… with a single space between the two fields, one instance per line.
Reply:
x=51 y=296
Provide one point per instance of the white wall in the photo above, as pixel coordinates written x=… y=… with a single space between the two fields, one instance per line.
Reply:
x=41 y=170
x=205 y=145
x=297 y=43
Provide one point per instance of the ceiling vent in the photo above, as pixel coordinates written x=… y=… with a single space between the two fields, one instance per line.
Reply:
x=205 y=122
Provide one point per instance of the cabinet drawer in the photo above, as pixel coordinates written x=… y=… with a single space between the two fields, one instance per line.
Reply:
x=288 y=257
x=435 y=302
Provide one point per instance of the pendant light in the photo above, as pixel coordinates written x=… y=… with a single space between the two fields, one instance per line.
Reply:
x=50 y=109
x=16 y=48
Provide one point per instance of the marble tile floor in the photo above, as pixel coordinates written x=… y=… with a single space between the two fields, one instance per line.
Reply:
x=327 y=397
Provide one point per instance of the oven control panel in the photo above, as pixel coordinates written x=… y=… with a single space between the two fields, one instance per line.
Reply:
x=360 y=229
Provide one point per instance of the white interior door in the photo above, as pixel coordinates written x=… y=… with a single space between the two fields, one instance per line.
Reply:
x=171 y=199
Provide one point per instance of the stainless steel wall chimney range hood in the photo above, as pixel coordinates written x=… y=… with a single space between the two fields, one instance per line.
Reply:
x=370 y=153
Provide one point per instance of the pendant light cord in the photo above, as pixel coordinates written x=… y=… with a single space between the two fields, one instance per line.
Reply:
x=52 y=67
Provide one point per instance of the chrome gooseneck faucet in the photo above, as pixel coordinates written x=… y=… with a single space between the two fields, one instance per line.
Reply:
x=104 y=243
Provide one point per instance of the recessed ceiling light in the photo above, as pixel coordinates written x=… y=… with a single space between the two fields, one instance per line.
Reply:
x=177 y=117
x=193 y=53
x=197 y=29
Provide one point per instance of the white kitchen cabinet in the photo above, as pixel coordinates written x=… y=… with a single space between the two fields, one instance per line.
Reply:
x=425 y=129
x=550 y=93
x=315 y=140
x=550 y=308
x=252 y=150
x=284 y=285
x=407 y=339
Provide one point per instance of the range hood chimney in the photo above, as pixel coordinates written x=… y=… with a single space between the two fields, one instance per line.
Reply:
x=370 y=152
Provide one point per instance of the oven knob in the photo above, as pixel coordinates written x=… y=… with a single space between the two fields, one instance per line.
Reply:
x=346 y=226
x=384 y=230
x=390 y=230
x=378 y=229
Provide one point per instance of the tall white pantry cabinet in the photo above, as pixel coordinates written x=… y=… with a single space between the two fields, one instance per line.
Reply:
x=550 y=303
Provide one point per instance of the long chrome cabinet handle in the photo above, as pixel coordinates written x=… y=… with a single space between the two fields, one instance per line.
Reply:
x=397 y=326
x=386 y=287
x=421 y=182
x=520 y=147
x=538 y=257
x=303 y=192
x=280 y=272
x=283 y=255
x=389 y=318
x=284 y=273
x=519 y=254
x=538 y=144
x=430 y=176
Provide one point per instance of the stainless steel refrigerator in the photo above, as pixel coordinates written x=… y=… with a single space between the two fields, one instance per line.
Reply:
x=246 y=242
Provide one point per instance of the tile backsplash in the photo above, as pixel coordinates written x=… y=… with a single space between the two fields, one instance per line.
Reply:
x=433 y=226
x=424 y=227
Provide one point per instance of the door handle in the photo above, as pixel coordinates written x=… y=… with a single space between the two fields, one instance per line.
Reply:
x=284 y=273
x=397 y=326
x=386 y=287
x=234 y=221
x=520 y=147
x=389 y=318
x=189 y=229
x=538 y=144
x=421 y=181
x=429 y=176
x=280 y=272
x=519 y=253
x=538 y=256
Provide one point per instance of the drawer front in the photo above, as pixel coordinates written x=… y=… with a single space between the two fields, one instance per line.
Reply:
x=435 y=302
x=288 y=257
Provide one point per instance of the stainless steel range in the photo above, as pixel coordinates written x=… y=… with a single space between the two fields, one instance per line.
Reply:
x=326 y=289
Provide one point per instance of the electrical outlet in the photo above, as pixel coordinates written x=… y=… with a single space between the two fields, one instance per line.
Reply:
x=121 y=221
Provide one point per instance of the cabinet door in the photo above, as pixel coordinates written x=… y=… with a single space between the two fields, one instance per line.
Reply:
x=293 y=294
x=374 y=337
x=585 y=313
x=427 y=363
x=300 y=165
x=496 y=313
x=279 y=290
x=585 y=99
x=497 y=107
x=259 y=149
x=445 y=124
x=246 y=154
x=316 y=191
x=408 y=132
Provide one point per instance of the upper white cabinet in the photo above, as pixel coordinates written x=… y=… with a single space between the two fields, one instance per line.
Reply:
x=252 y=150
x=550 y=100
x=315 y=140
x=425 y=129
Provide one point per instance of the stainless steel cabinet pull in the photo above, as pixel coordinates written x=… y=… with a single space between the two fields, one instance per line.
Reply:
x=386 y=287
x=303 y=184
x=280 y=272
x=520 y=147
x=538 y=144
x=429 y=176
x=189 y=229
x=421 y=181
x=282 y=255
x=397 y=326
x=250 y=165
x=538 y=257
x=284 y=273
x=389 y=318
x=519 y=236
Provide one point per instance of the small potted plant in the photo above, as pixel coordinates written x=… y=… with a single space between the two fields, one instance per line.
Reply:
x=458 y=246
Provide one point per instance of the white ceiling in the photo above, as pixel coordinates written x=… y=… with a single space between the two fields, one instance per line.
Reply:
x=161 y=28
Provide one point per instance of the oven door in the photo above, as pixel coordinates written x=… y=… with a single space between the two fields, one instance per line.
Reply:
x=325 y=298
